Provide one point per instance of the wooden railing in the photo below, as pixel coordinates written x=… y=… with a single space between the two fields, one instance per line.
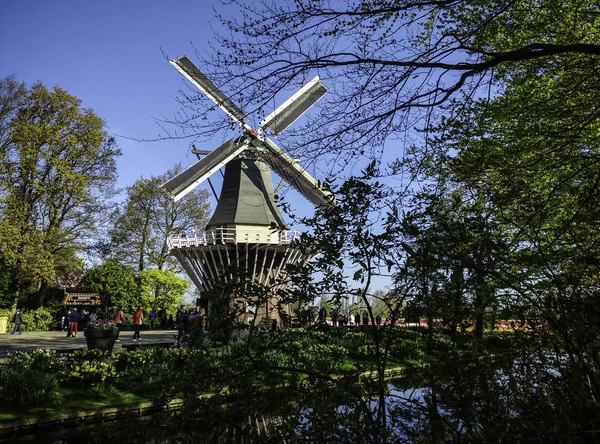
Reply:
x=231 y=236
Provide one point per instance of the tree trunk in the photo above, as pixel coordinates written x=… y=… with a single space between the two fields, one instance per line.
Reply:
x=41 y=294
x=429 y=332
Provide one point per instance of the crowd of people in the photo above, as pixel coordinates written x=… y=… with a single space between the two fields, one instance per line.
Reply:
x=75 y=320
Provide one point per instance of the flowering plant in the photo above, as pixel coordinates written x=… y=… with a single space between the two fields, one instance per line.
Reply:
x=102 y=324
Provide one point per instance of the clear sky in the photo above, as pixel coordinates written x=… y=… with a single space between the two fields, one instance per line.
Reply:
x=109 y=53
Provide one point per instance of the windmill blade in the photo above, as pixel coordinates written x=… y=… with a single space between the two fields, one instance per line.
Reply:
x=193 y=176
x=295 y=175
x=294 y=107
x=190 y=71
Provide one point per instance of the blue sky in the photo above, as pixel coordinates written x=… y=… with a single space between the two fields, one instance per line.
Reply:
x=109 y=53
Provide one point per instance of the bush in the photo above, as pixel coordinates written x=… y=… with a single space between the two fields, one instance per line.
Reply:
x=407 y=349
x=153 y=372
x=503 y=339
x=442 y=342
x=89 y=368
x=41 y=319
x=31 y=378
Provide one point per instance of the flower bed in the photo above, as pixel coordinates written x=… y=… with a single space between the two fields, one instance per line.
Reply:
x=102 y=324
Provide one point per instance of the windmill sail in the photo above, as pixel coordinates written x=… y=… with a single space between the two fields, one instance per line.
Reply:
x=295 y=175
x=193 y=176
x=294 y=107
x=186 y=67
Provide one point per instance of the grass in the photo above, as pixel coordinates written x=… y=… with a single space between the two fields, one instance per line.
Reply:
x=74 y=401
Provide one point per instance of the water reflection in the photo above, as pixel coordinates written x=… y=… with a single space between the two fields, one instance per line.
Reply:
x=523 y=400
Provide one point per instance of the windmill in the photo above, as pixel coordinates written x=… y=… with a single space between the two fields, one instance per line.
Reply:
x=246 y=229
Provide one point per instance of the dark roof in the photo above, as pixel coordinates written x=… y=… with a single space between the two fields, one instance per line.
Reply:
x=247 y=196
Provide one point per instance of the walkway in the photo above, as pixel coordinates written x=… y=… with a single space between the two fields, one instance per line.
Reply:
x=57 y=340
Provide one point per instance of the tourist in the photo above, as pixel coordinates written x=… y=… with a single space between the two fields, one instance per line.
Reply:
x=322 y=315
x=119 y=316
x=138 y=317
x=64 y=322
x=179 y=319
x=152 y=319
x=74 y=319
x=350 y=319
x=17 y=320
x=119 y=319
x=378 y=320
x=357 y=318
x=162 y=318
x=83 y=319
x=365 y=318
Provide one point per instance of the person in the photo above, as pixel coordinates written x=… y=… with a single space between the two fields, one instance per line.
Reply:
x=179 y=317
x=152 y=319
x=350 y=319
x=357 y=318
x=322 y=315
x=83 y=319
x=378 y=320
x=17 y=320
x=119 y=316
x=93 y=316
x=365 y=318
x=274 y=327
x=119 y=319
x=74 y=319
x=170 y=323
x=138 y=317
x=162 y=318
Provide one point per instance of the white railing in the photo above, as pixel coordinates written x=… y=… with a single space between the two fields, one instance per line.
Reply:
x=222 y=236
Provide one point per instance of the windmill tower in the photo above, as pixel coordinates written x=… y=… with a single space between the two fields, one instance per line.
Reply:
x=246 y=229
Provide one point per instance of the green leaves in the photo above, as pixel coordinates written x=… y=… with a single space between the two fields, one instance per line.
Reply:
x=59 y=167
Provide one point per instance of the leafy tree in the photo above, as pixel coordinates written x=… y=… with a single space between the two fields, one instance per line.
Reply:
x=161 y=289
x=148 y=216
x=58 y=170
x=12 y=97
x=386 y=62
x=116 y=281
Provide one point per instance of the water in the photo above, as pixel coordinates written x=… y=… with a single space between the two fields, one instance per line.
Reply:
x=525 y=400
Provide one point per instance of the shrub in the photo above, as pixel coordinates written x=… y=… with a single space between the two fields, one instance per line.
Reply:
x=31 y=378
x=153 y=372
x=442 y=342
x=89 y=368
x=41 y=319
x=407 y=349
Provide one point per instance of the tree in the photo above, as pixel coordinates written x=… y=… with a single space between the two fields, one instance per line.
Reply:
x=116 y=281
x=58 y=171
x=12 y=96
x=161 y=289
x=386 y=62
x=143 y=223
